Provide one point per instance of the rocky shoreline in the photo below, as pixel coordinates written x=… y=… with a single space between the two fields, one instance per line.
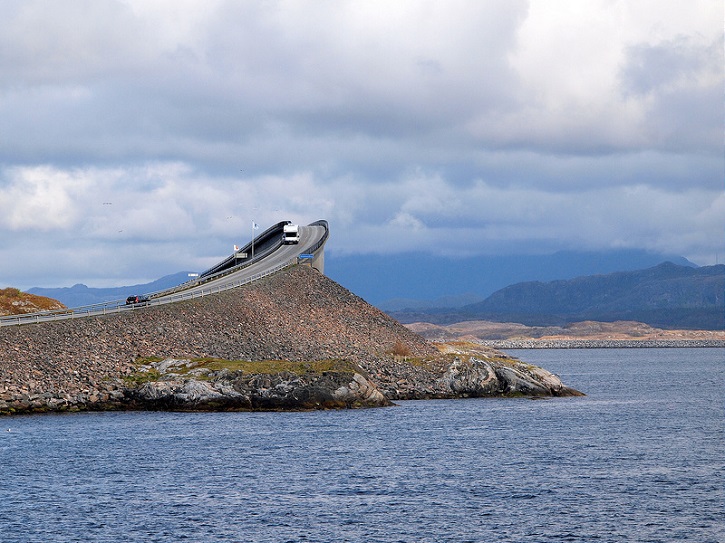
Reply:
x=295 y=340
x=512 y=344
x=577 y=335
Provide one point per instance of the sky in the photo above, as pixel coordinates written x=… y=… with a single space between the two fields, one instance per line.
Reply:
x=140 y=138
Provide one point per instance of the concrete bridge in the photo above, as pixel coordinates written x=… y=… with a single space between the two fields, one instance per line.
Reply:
x=270 y=255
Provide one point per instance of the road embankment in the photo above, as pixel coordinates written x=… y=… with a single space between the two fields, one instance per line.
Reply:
x=507 y=344
x=294 y=340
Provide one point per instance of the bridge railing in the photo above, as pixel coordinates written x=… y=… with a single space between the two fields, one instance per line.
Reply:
x=217 y=288
x=185 y=291
x=273 y=233
x=119 y=306
x=316 y=247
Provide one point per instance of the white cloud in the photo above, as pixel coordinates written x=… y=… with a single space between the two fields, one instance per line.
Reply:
x=39 y=198
x=579 y=61
x=146 y=135
x=166 y=217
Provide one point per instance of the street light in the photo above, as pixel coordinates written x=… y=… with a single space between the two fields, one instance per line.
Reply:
x=255 y=226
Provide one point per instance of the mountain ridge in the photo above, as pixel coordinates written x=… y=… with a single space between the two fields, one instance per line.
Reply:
x=667 y=296
x=79 y=294
x=418 y=279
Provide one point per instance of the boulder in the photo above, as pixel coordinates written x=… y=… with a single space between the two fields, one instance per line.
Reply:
x=238 y=390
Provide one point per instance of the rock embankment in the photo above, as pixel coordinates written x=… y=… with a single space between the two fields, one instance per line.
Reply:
x=191 y=385
x=577 y=335
x=601 y=343
x=295 y=316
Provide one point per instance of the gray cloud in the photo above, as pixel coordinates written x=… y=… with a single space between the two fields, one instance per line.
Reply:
x=681 y=82
x=140 y=138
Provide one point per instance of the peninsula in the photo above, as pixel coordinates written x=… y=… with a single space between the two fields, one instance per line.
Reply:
x=293 y=340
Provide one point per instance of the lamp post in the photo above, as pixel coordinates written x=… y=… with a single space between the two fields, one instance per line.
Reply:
x=255 y=226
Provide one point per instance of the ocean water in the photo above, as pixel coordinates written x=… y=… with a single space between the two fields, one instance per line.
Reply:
x=640 y=458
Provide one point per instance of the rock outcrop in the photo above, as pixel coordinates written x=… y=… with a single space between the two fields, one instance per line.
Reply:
x=295 y=340
x=188 y=385
x=479 y=372
x=15 y=302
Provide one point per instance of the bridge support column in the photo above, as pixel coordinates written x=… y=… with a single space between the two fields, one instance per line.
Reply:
x=319 y=261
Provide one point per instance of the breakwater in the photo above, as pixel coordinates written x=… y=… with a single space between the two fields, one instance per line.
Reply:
x=601 y=343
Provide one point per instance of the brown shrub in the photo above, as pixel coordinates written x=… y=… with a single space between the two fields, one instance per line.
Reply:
x=400 y=349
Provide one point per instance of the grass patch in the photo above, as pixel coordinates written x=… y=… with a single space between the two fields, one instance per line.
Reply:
x=424 y=363
x=275 y=366
x=269 y=367
x=147 y=360
x=260 y=367
x=141 y=377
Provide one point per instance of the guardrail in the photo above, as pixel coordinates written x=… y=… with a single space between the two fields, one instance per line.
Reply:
x=257 y=257
x=119 y=306
x=314 y=248
x=162 y=297
x=272 y=233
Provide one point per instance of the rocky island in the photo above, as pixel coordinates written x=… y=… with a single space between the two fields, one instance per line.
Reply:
x=294 y=340
x=577 y=335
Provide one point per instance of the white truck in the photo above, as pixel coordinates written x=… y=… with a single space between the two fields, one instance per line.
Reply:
x=290 y=234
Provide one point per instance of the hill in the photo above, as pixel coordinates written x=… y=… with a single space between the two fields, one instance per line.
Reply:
x=293 y=340
x=666 y=296
x=14 y=302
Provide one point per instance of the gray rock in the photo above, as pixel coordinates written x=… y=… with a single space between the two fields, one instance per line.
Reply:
x=359 y=390
x=472 y=377
x=516 y=382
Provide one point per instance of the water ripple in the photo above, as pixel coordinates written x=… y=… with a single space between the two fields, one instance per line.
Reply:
x=625 y=463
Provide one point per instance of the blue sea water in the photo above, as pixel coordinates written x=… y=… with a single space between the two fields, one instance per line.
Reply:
x=640 y=458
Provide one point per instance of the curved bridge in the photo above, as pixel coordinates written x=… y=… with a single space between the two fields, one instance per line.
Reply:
x=312 y=237
x=270 y=255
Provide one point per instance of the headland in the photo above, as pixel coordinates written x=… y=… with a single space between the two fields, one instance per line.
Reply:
x=293 y=340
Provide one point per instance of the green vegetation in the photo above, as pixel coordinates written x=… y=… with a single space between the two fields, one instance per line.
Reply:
x=430 y=364
x=267 y=367
x=275 y=366
x=147 y=360
x=140 y=377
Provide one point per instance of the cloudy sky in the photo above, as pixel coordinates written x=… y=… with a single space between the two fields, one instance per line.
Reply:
x=139 y=138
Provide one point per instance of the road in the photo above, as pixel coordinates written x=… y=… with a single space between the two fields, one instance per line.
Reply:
x=312 y=239
x=283 y=256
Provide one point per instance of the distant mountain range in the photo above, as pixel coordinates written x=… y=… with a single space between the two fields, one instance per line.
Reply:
x=545 y=290
x=416 y=280
x=667 y=296
x=79 y=295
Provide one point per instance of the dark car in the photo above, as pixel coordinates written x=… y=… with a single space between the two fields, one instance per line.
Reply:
x=139 y=299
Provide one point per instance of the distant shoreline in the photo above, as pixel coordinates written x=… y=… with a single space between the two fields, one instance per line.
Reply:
x=578 y=335
x=602 y=343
